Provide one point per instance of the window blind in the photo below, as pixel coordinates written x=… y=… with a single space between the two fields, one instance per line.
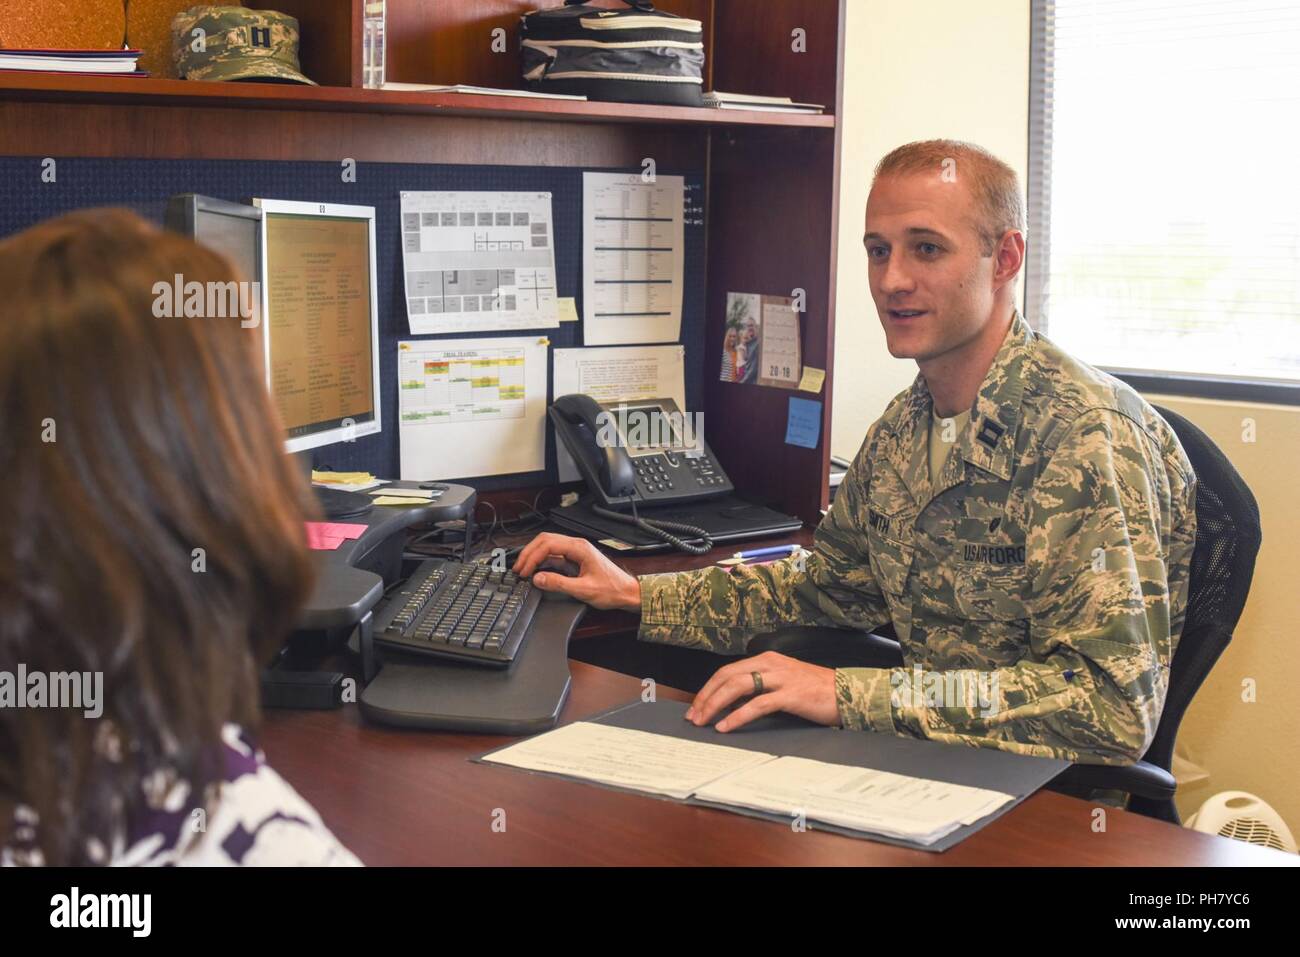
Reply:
x=1164 y=185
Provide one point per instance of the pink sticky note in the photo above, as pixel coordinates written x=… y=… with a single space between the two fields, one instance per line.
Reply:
x=328 y=536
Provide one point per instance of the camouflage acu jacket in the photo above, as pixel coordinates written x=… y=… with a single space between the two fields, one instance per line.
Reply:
x=1038 y=586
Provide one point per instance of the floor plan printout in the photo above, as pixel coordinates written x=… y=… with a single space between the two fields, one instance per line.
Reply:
x=633 y=255
x=478 y=261
x=471 y=407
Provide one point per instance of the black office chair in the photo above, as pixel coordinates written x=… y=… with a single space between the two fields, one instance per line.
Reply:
x=1223 y=562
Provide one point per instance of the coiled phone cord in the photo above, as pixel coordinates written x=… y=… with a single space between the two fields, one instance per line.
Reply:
x=661 y=529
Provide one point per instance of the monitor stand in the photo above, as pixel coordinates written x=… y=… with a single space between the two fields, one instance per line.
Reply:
x=335 y=503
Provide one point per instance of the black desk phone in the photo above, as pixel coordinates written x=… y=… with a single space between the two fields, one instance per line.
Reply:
x=640 y=453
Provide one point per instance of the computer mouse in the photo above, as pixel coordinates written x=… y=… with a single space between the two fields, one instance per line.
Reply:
x=558 y=566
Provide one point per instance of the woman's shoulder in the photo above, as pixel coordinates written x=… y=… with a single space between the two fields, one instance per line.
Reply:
x=252 y=817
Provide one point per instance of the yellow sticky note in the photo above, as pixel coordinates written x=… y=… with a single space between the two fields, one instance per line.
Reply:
x=399 y=500
x=812 y=379
x=568 y=309
x=341 y=478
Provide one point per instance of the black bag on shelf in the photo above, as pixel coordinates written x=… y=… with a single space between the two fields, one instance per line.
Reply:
x=640 y=55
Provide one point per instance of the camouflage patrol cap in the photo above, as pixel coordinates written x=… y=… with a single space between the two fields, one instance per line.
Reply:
x=236 y=44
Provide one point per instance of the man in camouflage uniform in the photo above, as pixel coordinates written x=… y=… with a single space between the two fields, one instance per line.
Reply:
x=1035 y=569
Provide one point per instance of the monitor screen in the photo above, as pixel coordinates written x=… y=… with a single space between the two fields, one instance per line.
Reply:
x=321 y=324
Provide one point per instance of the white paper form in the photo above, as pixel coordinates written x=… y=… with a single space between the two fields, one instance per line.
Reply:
x=632 y=258
x=617 y=374
x=881 y=802
x=478 y=261
x=654 y=763
x=471 y=407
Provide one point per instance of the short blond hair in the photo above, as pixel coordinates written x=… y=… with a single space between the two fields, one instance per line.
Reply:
x=994 y=185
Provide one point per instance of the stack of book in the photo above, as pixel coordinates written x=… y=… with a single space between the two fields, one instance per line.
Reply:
x=93 y=62
x=766 y=104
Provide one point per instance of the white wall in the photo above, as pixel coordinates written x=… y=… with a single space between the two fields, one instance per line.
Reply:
x=913 y=71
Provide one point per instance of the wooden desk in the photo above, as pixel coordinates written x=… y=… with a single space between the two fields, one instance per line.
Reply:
x=413 y=798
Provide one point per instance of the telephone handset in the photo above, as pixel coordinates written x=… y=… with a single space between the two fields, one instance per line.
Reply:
x=639 y=453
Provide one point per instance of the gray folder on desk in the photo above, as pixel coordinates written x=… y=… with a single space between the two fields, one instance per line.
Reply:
x=783 y=734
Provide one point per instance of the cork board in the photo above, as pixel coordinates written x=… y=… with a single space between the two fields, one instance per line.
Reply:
x=62 y=24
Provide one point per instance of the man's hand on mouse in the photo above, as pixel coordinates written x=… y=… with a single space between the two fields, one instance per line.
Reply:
x=787 y=684
x=598 y=582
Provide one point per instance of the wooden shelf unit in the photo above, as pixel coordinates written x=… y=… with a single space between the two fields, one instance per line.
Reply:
x=56 y=87
x=772 y=180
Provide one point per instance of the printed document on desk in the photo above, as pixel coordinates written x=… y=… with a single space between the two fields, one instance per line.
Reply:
x=478 y=261
x=633 y=236
x=653 y=763
x=879 y=802
x=890 y=788
x=615 y=374
x=913 y=809
x=471 y=407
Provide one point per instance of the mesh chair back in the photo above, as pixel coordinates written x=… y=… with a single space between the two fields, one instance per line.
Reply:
x=1223 y=562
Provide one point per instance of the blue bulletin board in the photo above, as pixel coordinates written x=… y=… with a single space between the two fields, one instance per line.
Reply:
x=144 y=185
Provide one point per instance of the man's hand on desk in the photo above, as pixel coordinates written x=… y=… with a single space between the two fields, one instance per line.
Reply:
x=787 y=684
x=598 y=582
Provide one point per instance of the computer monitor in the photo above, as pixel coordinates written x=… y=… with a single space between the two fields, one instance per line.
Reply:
x=321 y=304
x=232 y=229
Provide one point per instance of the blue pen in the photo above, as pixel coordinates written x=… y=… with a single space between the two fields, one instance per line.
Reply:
x=771 y=552
x=764 y=552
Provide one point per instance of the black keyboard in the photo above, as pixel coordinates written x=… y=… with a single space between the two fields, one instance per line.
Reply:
x=467 y=612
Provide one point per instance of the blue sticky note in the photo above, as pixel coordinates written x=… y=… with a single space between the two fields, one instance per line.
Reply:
x=804 y=427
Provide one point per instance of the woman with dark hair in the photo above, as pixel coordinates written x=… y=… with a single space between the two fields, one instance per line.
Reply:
x=151 y=535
